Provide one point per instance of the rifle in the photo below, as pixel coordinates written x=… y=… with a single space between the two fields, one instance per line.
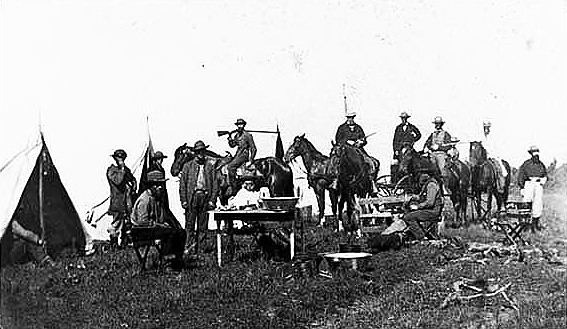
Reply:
x=221 y=133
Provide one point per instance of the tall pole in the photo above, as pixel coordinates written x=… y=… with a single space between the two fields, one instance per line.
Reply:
x=41 y=217
x=344 y=98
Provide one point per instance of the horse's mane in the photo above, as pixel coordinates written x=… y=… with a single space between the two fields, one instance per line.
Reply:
x=316 y=154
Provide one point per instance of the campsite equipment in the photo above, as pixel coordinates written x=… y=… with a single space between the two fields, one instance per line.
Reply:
x=279 y=203
x=37 y=199
x=347 y=260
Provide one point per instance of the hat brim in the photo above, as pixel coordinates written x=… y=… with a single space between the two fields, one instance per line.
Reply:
x=117 y=156
x=436 y=122
x=405 y=116
x=200 y=148
x=160 y=157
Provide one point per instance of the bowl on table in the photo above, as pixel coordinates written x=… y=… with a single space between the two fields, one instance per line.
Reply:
x=279 y=203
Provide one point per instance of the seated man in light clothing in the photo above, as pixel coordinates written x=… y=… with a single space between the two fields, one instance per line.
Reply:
x=247 y=197
x=532 y=175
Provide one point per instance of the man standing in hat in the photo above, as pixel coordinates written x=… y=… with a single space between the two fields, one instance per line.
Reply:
x=198 y=193
x=148 y=212
x=532 y=175
x=405 y=133
x=122 y=189
x=438 y=143
x=245 y=152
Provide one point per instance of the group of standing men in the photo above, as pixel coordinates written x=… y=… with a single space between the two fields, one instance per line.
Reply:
x=198 y=191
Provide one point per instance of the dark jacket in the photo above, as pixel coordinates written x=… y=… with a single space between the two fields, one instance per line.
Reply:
x=120 y=180
x=401 y=136
x=188 y=181
x=441 y=138
x=530 y=168
x=246 y=146
x=346 y=133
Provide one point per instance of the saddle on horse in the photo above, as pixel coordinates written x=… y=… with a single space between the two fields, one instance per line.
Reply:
x=497 y=168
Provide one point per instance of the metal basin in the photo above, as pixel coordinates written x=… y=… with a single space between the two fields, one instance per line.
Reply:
x=279 y=203
x=347 y=260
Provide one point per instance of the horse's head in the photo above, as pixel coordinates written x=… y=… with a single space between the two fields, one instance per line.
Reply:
x=182 y=154
x=295 y=149
x=477 y=153
x=407 y=155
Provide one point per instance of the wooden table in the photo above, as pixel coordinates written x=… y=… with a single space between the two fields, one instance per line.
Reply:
x=253 y=216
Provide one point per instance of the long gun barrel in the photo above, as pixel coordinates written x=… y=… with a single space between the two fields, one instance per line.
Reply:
x=226 y=132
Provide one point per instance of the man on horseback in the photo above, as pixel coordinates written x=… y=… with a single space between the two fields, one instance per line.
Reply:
x=438 y=143
x=245 y=152
x=492 y=155
x=350 y=133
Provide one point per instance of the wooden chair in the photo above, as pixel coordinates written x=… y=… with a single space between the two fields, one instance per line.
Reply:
x=513 y=222
x=143 y=239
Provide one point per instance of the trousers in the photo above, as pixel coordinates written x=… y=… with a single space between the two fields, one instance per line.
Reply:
x=233 y=165
x=423 y=215
x=196 y=218
x=533 y=191
x=117 y=225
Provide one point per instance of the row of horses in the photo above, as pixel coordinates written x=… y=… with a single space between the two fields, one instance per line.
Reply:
x=346 y=176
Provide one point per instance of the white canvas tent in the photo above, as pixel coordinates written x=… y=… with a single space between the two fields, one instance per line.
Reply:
x=35 y=196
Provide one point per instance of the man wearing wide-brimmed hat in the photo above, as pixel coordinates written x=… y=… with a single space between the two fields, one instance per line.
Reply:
x=424 y=207
x=198 y=193
x=245 y=152
x=438 y=143
x=350 y=132
x=532 y=175
x=405 y=133
x=122 y=189
x=149 y=212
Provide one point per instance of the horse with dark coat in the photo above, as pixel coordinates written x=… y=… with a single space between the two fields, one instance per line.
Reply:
x=320 y=172
x=354 y=180
x=484 y=179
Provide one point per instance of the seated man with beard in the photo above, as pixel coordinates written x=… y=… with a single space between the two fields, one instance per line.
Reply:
x=425 y=207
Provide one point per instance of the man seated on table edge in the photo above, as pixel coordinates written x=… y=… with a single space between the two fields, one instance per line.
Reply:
x=425 y=207
x=148 y=212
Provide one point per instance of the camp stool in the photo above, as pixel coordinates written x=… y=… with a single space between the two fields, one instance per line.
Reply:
x=143 y=239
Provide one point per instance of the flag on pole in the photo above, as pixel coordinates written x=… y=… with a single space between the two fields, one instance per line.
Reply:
x=279 y=145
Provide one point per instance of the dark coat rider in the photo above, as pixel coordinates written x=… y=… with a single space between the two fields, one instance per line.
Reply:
x=245 y=152
x=405 y=133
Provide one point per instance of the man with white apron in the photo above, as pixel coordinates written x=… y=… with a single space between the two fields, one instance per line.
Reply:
x=532 y=175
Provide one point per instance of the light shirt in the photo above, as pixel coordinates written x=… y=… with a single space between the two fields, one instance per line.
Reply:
x=200 y=185
x=244 y=198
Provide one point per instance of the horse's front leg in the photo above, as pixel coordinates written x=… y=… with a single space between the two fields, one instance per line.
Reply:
x=478 y=203
x=333 y=196
x=340 y=207
x=320 y=195
x=488 y=203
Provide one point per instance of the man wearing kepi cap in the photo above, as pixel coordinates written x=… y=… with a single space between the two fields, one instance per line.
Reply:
x=245 y=151
x=405 y=133
x=122 y=189
x=532 y=175
x=149 y=213
x=198 y=193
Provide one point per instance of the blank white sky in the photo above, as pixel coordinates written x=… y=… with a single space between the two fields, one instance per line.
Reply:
x=95 y=69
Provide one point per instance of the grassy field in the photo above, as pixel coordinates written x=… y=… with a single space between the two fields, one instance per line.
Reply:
x=402 y=289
